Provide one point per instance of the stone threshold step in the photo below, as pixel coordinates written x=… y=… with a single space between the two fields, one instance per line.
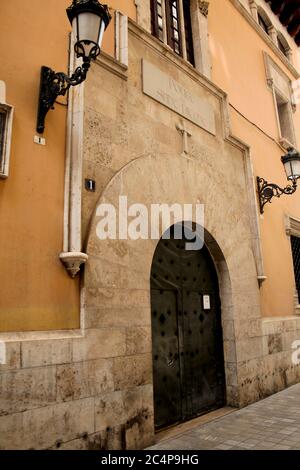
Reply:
x=178 y=429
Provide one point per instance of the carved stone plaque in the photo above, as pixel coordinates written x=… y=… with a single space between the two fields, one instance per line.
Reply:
x=169 y=92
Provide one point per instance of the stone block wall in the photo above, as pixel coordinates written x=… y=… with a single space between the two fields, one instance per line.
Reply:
x=59 y=393
x=67 y=390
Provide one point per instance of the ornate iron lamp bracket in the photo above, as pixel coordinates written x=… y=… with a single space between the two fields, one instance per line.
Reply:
x=54 y=84
x=266 y=191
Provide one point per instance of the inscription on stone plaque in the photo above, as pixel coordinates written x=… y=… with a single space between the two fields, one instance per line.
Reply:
x=169 y=92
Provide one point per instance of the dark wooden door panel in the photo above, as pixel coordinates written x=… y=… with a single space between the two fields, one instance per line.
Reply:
x=167 y=384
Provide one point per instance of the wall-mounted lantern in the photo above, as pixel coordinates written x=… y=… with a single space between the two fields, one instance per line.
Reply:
x=266 y=191
x=89 y=19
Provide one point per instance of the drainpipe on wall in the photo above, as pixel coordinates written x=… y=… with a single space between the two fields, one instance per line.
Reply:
x=72 y=256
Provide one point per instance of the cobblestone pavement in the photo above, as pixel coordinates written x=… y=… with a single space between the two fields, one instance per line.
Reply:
x=271 y=424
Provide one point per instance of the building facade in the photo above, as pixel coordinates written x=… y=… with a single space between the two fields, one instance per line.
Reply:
x=189 y=102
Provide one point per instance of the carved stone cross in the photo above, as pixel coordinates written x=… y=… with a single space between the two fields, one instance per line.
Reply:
x=185 y=134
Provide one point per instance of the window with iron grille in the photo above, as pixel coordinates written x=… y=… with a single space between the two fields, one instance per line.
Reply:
x=2 y=138
x=167 y=17
x=6 y=117
x=295 y=241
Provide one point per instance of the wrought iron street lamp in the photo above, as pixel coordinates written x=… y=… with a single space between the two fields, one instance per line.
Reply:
x=266 y=191
x=89 y=19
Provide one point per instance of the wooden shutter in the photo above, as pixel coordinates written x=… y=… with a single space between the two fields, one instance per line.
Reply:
x=188 y=31
x=157 y=19
x=173 y=26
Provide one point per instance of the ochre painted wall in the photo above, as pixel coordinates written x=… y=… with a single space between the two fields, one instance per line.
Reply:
x=238 y=68
x=35 y=291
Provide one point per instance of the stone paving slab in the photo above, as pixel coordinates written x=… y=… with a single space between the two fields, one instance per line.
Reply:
x=270 y=424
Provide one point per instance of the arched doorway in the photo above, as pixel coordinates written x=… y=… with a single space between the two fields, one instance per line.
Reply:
x=188 y=362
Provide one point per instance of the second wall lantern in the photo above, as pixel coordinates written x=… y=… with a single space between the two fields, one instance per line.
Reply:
x=266 y=191
x=89 y=19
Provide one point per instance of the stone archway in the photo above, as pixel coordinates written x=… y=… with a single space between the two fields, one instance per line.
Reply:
x=117 y=288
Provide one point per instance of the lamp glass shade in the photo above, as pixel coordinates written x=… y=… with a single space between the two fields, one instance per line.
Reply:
x=291 y=163
x=295 y=169
x=89 y=19
x=87 y=27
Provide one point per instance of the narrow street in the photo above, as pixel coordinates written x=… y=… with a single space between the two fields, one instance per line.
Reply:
x=271 y=424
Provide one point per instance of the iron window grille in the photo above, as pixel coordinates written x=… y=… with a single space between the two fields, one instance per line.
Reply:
x=295 y=241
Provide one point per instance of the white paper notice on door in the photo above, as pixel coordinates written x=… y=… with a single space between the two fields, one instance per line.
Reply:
x=206 y=302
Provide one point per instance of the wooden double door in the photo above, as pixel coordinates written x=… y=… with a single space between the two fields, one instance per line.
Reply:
x=188 y=363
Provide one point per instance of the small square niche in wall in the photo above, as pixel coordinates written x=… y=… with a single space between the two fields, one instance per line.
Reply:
x=6 y=117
